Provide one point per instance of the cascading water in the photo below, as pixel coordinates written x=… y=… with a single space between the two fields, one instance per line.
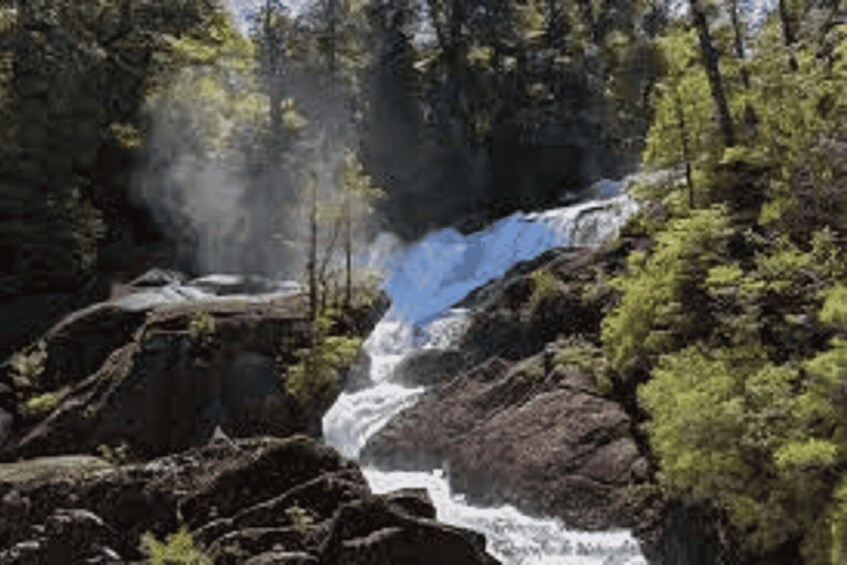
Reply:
x=424 y=282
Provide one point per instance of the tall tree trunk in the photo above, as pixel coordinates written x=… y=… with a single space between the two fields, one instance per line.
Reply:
x=348 y=250
x=788 y=34
x=313 y=248
x=711 y=62
x=333 y=17
x=738 y=42
x=685 y=146
x=434 y=9
x=272 y=72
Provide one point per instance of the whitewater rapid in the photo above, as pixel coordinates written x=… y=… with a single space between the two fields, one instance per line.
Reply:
x=424 y=282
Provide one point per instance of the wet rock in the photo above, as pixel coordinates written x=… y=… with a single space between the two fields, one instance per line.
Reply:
x=156 y=278
x=372 y=532
x=508 y=435
x=163 y=364
x=8 y=412
x=282 y=558
x=429 y=367
x=249 y=501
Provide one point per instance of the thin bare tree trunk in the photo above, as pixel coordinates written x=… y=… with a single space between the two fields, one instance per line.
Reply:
x=313 y=250
x=686 y=146
x=348 y=251
x=738 y=42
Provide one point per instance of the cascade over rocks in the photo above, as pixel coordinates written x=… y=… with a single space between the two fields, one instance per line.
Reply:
x=513 y=424
x=238 y=499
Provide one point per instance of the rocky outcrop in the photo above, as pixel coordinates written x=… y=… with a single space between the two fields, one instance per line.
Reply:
x=514 y=420
x=252 y=501
x=545 y=442
x=514 y=320
x=158 y=368
x=168 y=389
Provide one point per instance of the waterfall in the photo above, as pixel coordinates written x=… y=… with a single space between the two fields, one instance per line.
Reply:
x=424 y=282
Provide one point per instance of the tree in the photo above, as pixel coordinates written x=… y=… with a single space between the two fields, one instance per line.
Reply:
x=681 y=133
x=738 y=41
x=359 y=195
x=711 y=61
x=788 y=33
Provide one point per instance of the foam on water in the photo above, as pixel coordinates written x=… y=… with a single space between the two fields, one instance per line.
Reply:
x=424 y=281
x=430 y=276
x=513 y=537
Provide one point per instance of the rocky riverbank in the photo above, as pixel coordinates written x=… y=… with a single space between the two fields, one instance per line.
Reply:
x=254 y=501
x=525 y=410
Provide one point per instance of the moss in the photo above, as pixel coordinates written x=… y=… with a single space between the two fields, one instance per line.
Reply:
x=545 y=285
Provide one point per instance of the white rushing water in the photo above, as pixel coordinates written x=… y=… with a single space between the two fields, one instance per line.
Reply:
x=424 y=282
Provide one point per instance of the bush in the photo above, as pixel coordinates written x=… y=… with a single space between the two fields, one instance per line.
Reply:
x=177 y=549
x=28 y=366
x=576 y=353
x=39 y=407
x=761 y=441
x=201 y=328
x=315 y=380
x=651 y=318
x=545 y=285
x=115 y=455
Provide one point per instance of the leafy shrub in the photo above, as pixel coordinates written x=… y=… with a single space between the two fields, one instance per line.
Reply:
x=576 y=353
x=760 y=440
x=40 y=406
x=651 y=318
x=531 y=369
x=545 y=285
x=315 y=380
x=177 y=549
x=28 y=365
x=834 y=311
x=201 y=327
x=118 y=455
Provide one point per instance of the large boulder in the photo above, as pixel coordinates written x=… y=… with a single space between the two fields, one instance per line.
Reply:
x=549 y=443
x=259 y=501
x=171 y=387
x=164 y=363
x=514 y=320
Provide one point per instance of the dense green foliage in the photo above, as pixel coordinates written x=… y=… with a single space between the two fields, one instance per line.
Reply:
x=734 y=319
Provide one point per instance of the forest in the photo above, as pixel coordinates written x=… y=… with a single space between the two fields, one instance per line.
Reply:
x=306 y=142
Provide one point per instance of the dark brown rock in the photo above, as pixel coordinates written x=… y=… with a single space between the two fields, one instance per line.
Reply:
x=547 y=443
x=247 y=501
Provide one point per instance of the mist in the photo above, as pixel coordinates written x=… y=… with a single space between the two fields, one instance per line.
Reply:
x=231 y=195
